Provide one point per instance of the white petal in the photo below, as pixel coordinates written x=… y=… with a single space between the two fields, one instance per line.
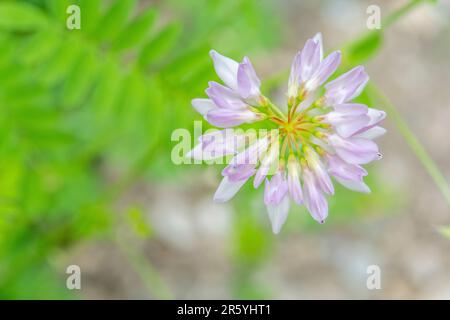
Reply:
x=278 y=214
x=371 y=133
x=266 y=163
x=226 y=69
x=227 y=189
x=358 y=186
x=318 y=38
x=203 y=105
x=375 y=116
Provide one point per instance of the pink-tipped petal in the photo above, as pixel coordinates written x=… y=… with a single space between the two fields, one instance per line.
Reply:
x=248 y=83
x=224 y=97
x=310 y=59
x=295 y=77
x=251 y=154
x=355 y=150
x=339 y=168
x=326 y=68
x=226 y=118
x=238 y=172
x=217 y=144
x=315 y=201
x=375 y=117
x=348 y=119
x=318 y=39
x=346 y=87
x=275 y=189
x=318 y=168
x=294 y=186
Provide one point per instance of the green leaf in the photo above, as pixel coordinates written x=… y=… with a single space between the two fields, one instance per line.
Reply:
x=90 y=14
x=160 y=44
x=134 y=34
x=59 y=65
x=107 y=88
x=188 y=62
x=364 y=48
x=80 y=79
x=39 y=47
x=58 y=9
x=20 y=16
x=114 y=20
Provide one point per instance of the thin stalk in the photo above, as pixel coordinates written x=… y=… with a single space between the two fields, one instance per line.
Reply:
x=415 y=145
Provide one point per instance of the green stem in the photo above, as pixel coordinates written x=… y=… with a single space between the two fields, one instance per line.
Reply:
x=399 y=13
x=418 y=149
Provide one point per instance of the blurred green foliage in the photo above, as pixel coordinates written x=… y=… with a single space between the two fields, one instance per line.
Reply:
x=85 y=113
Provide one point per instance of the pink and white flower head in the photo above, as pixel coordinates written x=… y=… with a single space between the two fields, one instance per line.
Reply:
x=318 y=138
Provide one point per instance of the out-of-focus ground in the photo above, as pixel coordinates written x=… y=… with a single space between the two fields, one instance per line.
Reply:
x=191 y=250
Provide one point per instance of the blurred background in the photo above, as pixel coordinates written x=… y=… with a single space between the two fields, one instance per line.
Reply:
x=86 y=179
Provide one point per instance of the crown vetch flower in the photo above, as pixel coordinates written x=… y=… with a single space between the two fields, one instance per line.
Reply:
x=318 y=138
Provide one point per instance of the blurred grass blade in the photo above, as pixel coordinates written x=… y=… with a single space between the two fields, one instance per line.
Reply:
x=115 y=19
x=136 y=32
x=91 y=12
x=160 y=45
x=20 y=16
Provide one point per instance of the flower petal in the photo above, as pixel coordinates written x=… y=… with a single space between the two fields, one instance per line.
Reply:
x=238 y=172
x=371 y=133
x=226 y=118
x=275 y=189
x=348 y=118
x=375 y=117
x=228 y=189
x=317 y=167
x=217 y=144
x=278 y=214
x=346 y=87
x=341 y=169
x=318 y=39
x=226 y=69
x=267 y=162
x=224 y=97
x=354 y=185
x=355 y=150
x=203 y=105
x=248 y=82
x=294 y=186
x=315 y=201
x=251 y=154
x=310 y=59
x=326 y=68
x=295 y=77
